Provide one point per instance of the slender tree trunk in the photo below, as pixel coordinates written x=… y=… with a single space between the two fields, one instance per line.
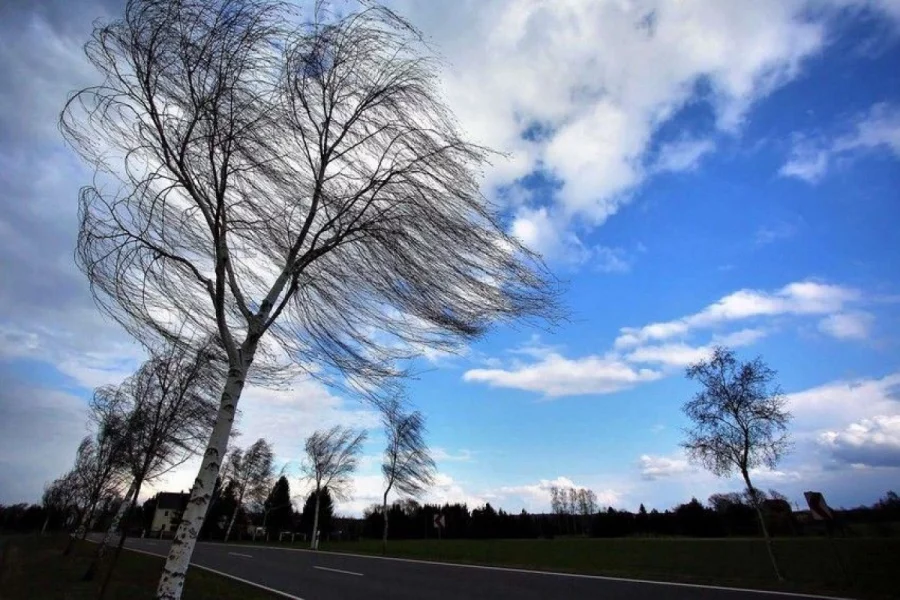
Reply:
x=139 y=481
x=80 y=532
x=101 y=548
x=171 y=583
x=384 y=511
x=46 y=522
x=240 y=500
x=315 y=529
x=762 y=523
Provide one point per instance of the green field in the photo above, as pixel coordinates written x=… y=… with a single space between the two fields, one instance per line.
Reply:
x=809 y=564
x=33 y=567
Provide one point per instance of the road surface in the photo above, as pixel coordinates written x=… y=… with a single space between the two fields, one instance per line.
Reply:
x=306 y=575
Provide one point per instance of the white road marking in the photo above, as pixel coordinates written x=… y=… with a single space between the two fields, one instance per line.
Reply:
x=548 y=573
x=339 y=571
x=239 y=554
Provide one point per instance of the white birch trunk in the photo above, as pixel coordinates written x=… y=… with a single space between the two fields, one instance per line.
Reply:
x=384 y=511
x=171 y=583
x=315 y=529
x=126 y=502
x=240 y=500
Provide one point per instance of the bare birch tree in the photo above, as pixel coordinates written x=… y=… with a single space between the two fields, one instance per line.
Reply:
x=98 y=465
x=251 y=472
x=331 y=458
x=408 y=466
x=739 y=422
x=59 y=498
x=295 y=188
x=167 y=409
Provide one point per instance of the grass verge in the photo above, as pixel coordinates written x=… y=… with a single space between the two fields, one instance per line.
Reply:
x=33 y=567
x=861 y=568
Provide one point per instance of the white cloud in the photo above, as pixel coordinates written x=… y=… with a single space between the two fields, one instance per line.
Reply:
x=655 y=467
x=682 y=355
x=676 y=355
x=807 y=163
x=520 y=66
x=556 y=376
x=442 y=455
x=850 y=325
x=535 y=497
x=800 y=298
x=836 y=404
x=611 y=260
x=872 y=442
x=877 y=129
x=683 y=155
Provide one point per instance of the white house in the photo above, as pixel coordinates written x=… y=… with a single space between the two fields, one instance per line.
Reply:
x=169 y=508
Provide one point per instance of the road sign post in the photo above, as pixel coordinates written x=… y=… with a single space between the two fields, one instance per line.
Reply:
x=439 y=523
x=820 y=511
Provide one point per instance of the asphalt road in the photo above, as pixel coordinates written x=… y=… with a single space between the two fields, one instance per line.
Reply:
x=330 y=576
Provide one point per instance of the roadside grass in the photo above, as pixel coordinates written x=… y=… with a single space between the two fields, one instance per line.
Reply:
x=810 y=565
x=32 y=567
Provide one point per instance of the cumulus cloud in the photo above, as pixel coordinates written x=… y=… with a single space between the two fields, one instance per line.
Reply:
x=836 y=404
x=545 y=83
x=876 y=130
x=871 y=442
x=556 y=376
x=656 y=467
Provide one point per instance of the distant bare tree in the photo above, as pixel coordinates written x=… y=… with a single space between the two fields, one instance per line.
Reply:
x=739 y=422
x=59 y=498
x=407 y=465
x=251 y=473
x=167 y=408
x=98 y=467
x=298 y=190
x=331 y=459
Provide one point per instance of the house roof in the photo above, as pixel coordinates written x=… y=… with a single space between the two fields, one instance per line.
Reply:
x=171 y=500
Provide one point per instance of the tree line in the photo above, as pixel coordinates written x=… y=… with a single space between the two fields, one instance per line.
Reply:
x=723 y=515
x=728 y=514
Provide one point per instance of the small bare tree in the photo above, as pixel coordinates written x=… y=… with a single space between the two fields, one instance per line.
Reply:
x=59 y=498
x=739 y=422
x=251 y=472
x=296 y=190
x=167 y=409
x=98 y=467
x=407 y=465
x=331 y=459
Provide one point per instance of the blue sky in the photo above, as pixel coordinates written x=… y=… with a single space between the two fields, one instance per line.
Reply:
x=696 y=172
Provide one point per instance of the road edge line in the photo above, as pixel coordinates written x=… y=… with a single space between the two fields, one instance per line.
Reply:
x=221 y=574
x=534 y=572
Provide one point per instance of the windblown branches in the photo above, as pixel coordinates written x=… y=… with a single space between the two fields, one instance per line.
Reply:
x=739 y=418
x=305 y=180
x=168 y=406
x=251 y=471
x=331 y=458
x=407 y=466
